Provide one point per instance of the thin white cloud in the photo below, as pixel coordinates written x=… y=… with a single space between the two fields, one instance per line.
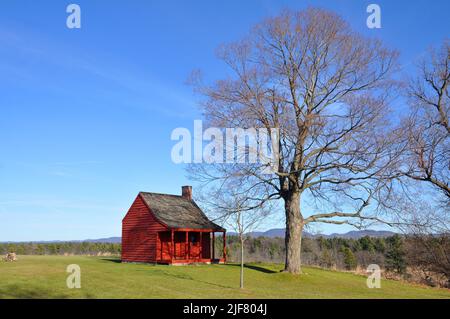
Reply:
x=142 y=86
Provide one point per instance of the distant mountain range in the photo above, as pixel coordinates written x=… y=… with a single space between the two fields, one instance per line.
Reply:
x=271 y=233
x=355 y=234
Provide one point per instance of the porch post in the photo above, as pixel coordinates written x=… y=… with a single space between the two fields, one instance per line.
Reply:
x=158 y=244
x=172 y=244
x=186 y=246
x=224 y=237
x=201 y=244
x=213 y=246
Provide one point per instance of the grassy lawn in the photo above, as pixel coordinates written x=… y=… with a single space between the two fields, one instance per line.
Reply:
x=101 y=277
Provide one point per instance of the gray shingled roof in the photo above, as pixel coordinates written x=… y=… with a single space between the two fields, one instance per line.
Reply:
x=178 y=212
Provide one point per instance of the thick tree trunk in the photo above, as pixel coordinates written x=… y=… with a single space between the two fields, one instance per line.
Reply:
x=294 y=229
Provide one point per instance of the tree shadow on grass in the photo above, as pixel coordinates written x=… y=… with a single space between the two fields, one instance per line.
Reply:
x=114 y=260
x=257 y=268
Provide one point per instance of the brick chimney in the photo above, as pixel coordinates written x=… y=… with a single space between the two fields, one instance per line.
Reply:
x=186 y=192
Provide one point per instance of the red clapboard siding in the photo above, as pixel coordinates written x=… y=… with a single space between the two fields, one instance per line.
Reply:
x=165 y=240
x=139 y=233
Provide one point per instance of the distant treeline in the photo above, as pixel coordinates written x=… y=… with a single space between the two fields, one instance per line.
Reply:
x=61 y=248
x=424 y=259
x=340 y=253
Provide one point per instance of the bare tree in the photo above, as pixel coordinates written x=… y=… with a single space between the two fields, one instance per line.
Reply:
x=324 y=87
x=425 y=170
x=427 y=229
x=428 y=128
x=431 y=254
x=229 y=206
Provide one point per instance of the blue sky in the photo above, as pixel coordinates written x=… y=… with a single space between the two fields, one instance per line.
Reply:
x=86 y=114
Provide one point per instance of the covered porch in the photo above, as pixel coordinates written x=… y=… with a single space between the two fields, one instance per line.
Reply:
x=187 y=245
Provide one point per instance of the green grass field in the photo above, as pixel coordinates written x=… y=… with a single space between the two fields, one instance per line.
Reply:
x=101 y=277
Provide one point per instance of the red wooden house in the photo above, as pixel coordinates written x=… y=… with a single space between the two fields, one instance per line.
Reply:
x=169 y=229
